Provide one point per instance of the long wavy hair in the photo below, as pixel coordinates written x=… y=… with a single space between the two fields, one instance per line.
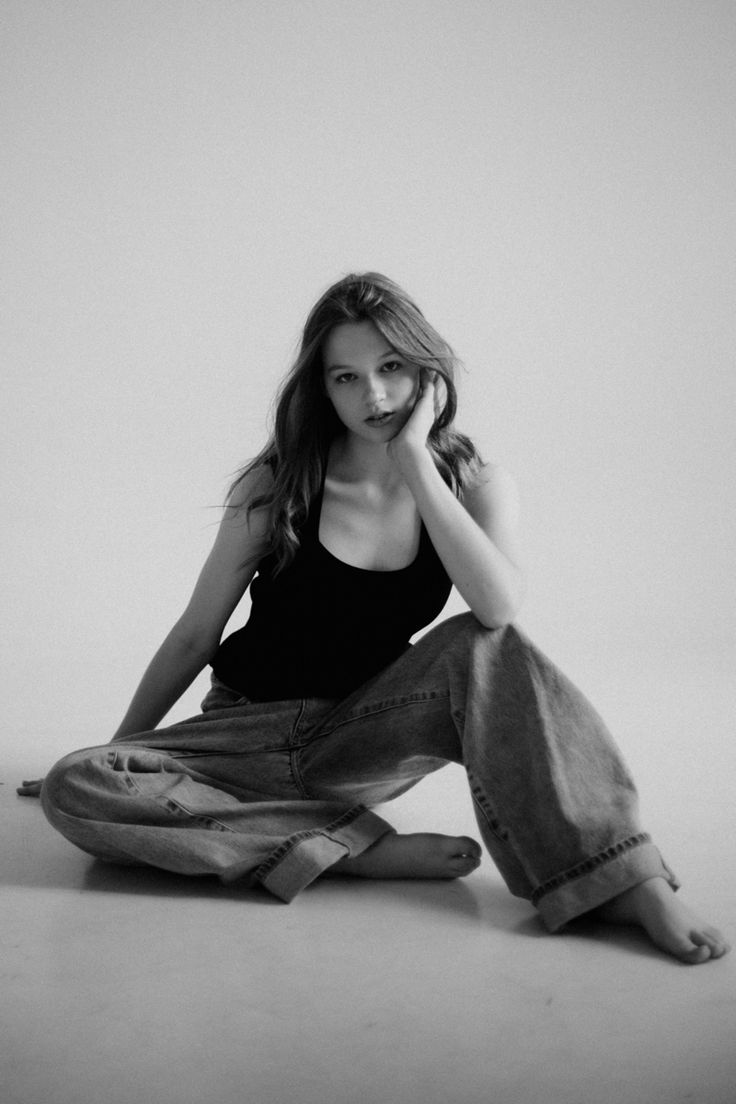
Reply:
x=305 y=422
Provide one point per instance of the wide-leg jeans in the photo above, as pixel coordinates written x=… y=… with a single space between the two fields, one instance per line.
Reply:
x=277 y=792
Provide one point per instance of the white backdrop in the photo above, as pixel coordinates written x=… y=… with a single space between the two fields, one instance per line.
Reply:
x=553 y=181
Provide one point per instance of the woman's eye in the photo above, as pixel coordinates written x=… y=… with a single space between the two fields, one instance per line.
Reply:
x=391 y=366
x=344 y=377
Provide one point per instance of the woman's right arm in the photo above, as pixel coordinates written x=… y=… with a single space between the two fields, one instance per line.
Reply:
x=241 y=541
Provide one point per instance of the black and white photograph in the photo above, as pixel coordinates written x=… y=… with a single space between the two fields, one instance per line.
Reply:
x=369 y=502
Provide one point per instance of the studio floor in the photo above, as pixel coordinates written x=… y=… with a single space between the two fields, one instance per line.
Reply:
x=123 y=985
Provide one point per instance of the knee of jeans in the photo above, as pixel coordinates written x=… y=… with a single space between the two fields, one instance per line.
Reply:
x=67 y=786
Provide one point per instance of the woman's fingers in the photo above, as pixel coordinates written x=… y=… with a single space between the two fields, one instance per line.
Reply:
x=30 y=789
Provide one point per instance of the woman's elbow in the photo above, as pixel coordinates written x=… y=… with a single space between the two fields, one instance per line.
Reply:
x=493 y=622
x=500 y=610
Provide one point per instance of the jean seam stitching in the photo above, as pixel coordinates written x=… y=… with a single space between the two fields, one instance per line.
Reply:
x=295 y=747
x=285 y=848
x=588 y=866
x=171 y=805
x=385 y=707
x=486 y=810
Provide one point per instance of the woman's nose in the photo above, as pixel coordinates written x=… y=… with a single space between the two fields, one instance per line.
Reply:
x=374 y=389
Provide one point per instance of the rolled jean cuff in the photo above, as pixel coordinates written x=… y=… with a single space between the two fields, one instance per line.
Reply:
x=600 y=878
x=303 y=857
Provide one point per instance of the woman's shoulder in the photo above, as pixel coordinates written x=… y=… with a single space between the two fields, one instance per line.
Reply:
x=254 y=483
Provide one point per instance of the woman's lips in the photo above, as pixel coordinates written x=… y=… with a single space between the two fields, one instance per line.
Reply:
x=380 y=419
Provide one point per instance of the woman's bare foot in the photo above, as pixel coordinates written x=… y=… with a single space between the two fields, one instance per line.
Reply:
x=422 y=855
x=670 y=924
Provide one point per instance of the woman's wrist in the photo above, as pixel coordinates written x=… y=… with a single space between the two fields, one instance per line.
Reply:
x=411 y=456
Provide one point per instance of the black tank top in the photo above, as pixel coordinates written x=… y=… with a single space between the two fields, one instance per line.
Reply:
x=322 y=627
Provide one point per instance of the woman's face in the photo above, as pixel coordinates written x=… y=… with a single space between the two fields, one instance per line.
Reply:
x=371 y=387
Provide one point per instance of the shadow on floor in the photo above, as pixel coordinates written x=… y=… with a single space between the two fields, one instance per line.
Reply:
x=35 y=856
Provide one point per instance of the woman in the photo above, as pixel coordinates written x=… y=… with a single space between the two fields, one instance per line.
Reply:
x=353 y=523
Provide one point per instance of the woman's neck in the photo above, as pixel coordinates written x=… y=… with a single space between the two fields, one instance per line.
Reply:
x=358 y=460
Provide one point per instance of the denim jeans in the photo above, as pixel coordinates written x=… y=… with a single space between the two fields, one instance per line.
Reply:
x=277 y=792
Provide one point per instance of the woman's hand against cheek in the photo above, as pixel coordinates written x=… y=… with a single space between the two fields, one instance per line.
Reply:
x=413 y=435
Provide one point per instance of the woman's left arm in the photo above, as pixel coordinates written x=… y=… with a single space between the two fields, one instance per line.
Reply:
x=475 y=538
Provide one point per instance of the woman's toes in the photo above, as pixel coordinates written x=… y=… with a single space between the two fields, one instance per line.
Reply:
x=464 y=854
x=697 y=945
x=713 y=940
x=464 y=864
x=461 y=855
x=693 y=954
x=467 y=846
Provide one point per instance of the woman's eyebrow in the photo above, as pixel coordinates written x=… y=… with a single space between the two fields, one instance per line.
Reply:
x=349 y=367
